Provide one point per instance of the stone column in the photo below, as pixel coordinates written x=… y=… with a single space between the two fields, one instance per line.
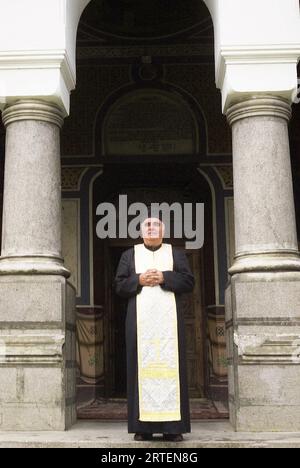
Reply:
x=37 y=329
x=31 y=234
x=263 y=299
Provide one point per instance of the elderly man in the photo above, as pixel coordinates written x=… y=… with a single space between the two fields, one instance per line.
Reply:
x=153 y=275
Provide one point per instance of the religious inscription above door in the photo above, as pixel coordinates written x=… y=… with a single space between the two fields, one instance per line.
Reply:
x=150 y=122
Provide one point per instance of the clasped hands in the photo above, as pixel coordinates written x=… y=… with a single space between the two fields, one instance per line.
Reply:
x=151 y=278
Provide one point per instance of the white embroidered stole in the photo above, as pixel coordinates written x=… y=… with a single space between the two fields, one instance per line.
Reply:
x=157 y=341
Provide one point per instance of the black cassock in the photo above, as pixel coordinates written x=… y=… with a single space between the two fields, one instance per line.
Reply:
x=179 y=281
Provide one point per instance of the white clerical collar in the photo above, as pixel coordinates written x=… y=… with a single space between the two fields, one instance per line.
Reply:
x=152 y=247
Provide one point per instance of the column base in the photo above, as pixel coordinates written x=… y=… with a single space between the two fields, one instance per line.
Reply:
x=33 y=265
x=263 y=343
x=37 y=353
x=265 y=262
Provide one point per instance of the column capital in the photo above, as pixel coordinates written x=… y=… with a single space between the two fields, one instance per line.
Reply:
x=258 y=106
x=33 y=109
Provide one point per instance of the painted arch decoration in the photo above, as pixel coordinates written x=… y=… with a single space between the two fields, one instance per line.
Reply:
x=150 y=122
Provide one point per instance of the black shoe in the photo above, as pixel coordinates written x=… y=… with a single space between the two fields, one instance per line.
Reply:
x=173 y=437
x=140 y=436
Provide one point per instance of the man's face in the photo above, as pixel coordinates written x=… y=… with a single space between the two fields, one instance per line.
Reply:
x=152 y=229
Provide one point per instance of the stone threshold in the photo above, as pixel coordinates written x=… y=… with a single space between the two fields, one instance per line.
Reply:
x=115 y=409
x=110 y=435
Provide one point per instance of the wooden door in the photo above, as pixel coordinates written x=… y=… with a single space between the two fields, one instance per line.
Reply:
x=195 y=328
x=115 y=349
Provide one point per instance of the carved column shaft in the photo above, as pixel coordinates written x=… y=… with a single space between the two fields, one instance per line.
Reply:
x=31 y=234
x=265 y=226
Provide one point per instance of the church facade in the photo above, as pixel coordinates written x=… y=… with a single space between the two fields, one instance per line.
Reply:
x=188 y=101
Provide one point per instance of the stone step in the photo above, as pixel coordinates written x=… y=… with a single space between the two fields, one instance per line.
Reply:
x=112 y=435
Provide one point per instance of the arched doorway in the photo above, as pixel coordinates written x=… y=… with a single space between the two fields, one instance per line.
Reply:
x=149 y=137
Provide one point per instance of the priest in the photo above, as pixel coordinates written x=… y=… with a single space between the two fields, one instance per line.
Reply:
x=152 y=276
